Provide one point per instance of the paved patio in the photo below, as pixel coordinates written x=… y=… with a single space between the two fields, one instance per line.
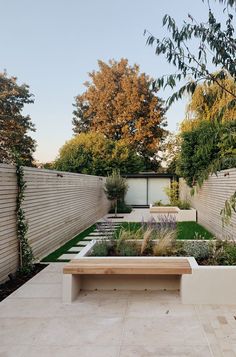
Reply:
x=34 y=322
x=137 y=215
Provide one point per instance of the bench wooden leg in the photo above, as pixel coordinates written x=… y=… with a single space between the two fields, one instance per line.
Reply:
x=70 y=287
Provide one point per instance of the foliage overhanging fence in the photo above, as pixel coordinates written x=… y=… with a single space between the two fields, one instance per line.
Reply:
x=57 y=206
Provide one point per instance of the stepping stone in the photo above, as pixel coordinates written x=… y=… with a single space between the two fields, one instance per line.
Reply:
x=100 y=234
x=82 y=243
x=103 y=230
x=75 y=249
x=108 y=226
x=96 y=238
x=67 y=256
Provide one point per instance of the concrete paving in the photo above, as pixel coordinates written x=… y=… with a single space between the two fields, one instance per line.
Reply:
x=34 y=323
x=66 y=256
x=75 y=249
x=137 y=215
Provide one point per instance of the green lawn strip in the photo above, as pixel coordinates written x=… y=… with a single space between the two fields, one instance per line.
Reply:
x=53 y=257
x=185 y=230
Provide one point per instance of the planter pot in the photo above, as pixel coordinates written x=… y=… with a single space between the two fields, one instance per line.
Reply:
x=182 y=215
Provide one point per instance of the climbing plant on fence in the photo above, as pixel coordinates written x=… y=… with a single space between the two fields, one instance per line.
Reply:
x=25 y=251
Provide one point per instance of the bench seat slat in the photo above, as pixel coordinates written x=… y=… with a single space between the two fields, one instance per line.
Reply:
x=125 y=266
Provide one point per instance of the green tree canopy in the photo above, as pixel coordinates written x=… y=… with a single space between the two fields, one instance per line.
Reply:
x=209 y=147
x=120 y=103
x=15 y=142
x=92 y=153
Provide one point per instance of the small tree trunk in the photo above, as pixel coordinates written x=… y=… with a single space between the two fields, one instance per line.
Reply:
x=116 y=207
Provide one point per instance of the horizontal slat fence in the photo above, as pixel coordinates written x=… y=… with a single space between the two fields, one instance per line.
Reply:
x=210 y=199
x=57 y=205
x=8 y=238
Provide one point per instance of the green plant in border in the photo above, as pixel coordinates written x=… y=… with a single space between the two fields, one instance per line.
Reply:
x=25 y=251
x=115 y=188
x=173 y=193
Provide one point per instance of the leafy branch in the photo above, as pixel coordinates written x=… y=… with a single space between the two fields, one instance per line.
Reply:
x=219 y=43
x=229 y=208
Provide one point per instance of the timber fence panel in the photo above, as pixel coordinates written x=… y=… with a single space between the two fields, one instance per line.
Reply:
x=210 y=199
x=8 y=237
x=58 y=206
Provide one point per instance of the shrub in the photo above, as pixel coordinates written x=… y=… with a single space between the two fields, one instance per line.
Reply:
x=230 y=253
x=198 y=250
x=223 y=253
x=158 y=203
x=101 y=249
x=128 y=249
x=184 y=204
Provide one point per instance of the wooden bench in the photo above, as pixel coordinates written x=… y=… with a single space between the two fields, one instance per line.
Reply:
x=118 y=266
x=164 y=210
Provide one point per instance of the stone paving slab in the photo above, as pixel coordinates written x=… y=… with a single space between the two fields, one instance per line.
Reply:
x=102 y=231
x=96 y=238
x=34 y=323
x=82 y=243
x=75 y=249
x=66 y=256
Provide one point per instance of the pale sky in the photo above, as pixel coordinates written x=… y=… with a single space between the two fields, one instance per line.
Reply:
x=52 y=44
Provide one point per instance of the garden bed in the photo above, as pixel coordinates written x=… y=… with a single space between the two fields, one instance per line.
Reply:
x=17 y=280
x=207 y=284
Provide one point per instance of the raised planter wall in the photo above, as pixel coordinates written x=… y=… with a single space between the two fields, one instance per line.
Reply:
x=209 y=285
x=182 y=215
x=206 y=284
x=58 y=206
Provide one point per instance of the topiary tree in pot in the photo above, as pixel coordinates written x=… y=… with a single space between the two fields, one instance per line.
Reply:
x=115 y=188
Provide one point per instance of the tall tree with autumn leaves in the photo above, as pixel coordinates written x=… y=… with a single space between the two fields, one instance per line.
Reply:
x=120 y=102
